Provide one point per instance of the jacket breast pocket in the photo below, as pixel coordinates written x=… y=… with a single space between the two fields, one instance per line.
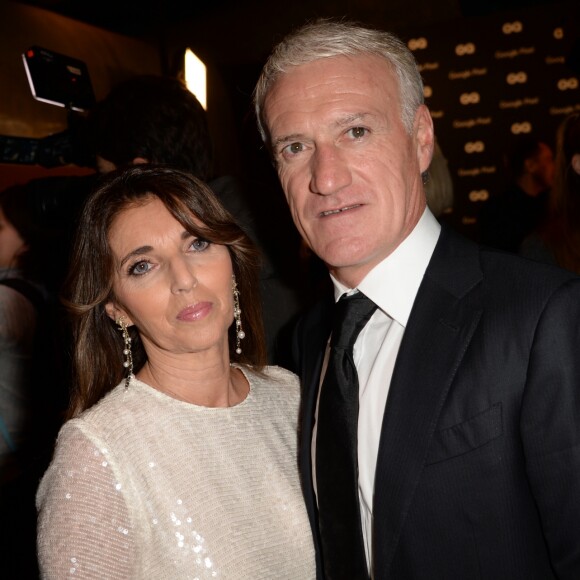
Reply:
x=466 y=436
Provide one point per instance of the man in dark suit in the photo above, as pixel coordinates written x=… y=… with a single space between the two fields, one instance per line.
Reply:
x=468 y=435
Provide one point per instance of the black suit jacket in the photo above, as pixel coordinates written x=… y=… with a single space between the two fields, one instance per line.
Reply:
x=478 y=467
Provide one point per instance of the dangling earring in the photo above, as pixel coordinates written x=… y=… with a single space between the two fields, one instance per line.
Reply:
x=128 y=363
x=240 y=334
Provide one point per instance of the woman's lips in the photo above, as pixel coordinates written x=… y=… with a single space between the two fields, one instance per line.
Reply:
x=195 y=311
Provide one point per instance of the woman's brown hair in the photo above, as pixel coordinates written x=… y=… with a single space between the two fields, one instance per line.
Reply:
x=98 y=345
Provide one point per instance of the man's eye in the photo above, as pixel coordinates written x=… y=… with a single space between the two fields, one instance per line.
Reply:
x=358 y=132
x=293 y=148
x=199 y=245
x=139 y=268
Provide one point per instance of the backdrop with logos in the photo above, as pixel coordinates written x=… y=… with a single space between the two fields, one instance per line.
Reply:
x=489 y=79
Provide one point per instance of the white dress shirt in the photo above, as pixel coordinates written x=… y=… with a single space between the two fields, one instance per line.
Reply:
x=392 y=285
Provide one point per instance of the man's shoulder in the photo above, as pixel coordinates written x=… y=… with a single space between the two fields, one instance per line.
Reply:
x=518 y=281
x=460 y=261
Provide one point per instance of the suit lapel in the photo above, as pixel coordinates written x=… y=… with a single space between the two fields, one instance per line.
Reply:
x=439 y=330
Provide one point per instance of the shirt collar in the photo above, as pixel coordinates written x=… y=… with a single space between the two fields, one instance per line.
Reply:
x=393 y=283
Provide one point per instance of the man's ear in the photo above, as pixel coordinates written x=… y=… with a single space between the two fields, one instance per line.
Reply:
x=425 y=137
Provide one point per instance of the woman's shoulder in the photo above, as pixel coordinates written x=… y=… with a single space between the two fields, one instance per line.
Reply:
x=273 y=373
x=119 y=412
x=119 y=422
x=274 y=383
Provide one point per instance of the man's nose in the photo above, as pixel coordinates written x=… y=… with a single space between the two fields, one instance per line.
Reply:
x=329 y=170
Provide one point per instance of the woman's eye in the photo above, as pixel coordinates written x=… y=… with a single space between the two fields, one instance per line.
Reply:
x=199 y=245
x=358 y=132
x=139 y=268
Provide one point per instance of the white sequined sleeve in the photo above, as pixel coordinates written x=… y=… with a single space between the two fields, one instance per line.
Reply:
x=84 y=528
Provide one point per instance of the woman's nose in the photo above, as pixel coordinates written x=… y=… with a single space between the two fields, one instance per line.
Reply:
x=183 y=276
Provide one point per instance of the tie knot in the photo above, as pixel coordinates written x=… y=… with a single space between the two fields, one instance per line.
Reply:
x=351 y=314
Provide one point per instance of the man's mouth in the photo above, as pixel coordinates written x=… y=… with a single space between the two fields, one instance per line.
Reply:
x=335 y=211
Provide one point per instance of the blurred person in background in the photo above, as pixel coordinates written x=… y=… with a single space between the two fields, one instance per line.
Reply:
x=28 y=300
x=439 y=185
x=507 y=218
x=557 y=239
x=32 y=384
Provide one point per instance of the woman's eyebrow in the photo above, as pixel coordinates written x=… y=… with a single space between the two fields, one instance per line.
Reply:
x=136 y=252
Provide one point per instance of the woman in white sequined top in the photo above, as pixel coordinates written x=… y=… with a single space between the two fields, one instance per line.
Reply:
x=179 y=457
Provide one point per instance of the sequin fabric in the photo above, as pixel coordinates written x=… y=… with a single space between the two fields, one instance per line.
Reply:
x=148 y=487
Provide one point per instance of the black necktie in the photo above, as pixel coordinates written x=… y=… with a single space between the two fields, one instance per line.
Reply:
x=340 y=528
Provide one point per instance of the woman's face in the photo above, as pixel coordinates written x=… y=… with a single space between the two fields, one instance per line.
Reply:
x=175 y=288
x=11 y=244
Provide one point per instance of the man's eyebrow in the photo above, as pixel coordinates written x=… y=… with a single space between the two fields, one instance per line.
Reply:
x=353 y=118
x=287 y=139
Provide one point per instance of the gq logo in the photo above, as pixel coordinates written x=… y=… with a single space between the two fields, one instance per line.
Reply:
x=474 y=147
x=512 y=27
x=463 y=49
x=427 y=91
x=558 y=33
x=469 y=98
x=417 y=43
x=518 y=128
x=517 y=78
x=568 y=84
x=478 y=195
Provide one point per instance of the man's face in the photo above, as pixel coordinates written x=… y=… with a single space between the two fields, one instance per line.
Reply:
x=350 y=171
x=544 y=167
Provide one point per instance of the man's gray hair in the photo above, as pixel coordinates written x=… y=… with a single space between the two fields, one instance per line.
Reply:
x=327 y=38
